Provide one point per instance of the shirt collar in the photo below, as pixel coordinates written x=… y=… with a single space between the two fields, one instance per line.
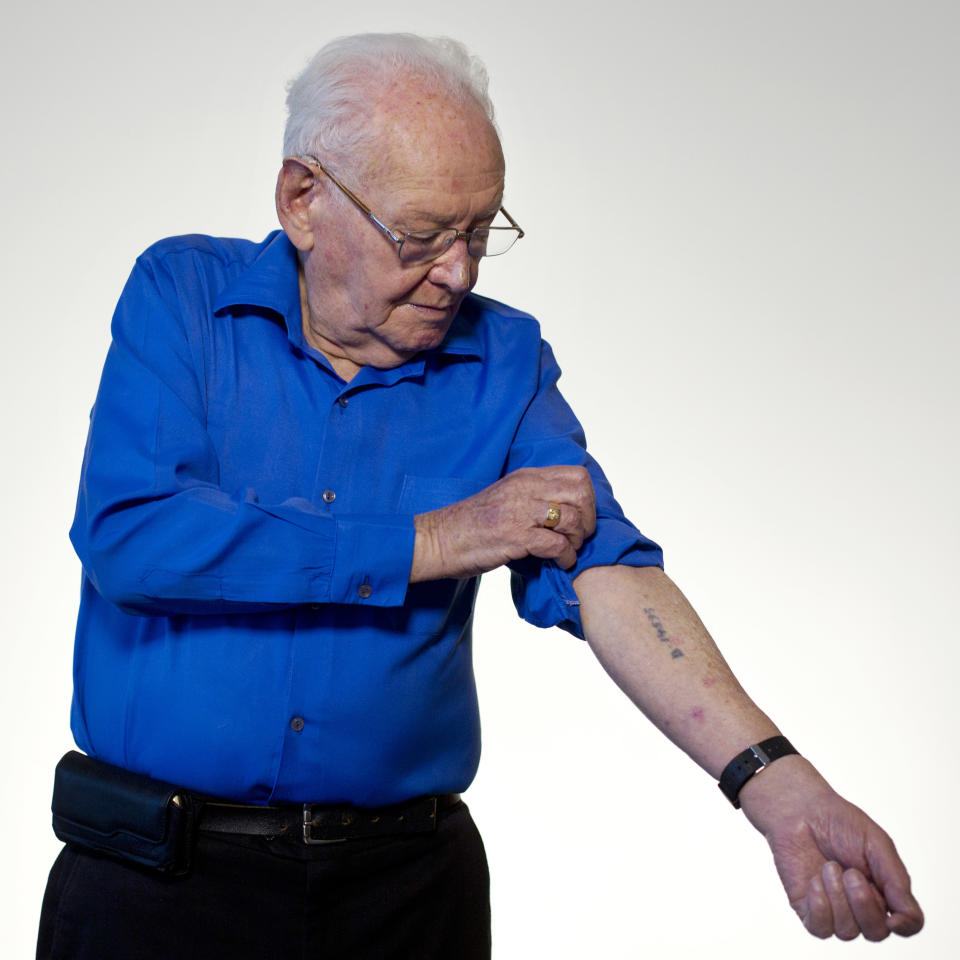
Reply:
x=270 y=283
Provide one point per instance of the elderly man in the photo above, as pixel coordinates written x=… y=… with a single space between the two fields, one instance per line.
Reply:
x=303 y=454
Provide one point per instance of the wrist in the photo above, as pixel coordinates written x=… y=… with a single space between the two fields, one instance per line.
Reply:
x=782 y=786
x=426 y=563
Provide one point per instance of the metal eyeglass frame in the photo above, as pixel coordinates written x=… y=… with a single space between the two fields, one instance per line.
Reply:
x=454 y=234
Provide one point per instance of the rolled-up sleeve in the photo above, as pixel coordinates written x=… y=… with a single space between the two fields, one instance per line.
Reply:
x=549 y=435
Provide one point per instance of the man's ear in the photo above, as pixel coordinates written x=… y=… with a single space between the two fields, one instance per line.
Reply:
x=295 y=184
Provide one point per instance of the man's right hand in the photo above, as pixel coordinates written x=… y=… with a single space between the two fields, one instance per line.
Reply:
x=505 y=522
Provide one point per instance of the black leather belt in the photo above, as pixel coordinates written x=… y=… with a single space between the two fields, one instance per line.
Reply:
x=322 y=823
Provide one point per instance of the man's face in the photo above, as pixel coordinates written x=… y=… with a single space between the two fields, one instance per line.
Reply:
x=437 y=165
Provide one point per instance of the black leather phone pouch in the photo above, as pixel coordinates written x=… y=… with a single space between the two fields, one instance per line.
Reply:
x=111 y=810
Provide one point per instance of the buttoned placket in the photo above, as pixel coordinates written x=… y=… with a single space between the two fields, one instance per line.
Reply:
x=307 y=645
x=338 y=429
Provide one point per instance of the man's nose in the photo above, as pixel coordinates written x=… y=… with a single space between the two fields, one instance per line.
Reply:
x=455 y=268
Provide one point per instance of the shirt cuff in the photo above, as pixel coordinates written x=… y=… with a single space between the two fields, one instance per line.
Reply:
x=372 y=560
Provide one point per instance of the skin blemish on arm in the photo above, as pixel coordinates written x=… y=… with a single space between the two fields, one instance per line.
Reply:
x=709 y=681
x=697 y=714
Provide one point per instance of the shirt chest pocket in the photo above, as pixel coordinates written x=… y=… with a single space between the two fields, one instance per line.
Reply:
x=422 y=494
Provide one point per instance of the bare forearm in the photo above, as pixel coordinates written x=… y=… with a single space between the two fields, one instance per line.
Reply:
x=840 y=871
x=653 y=644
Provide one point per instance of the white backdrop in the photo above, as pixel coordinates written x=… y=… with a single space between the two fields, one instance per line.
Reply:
x=742 y=242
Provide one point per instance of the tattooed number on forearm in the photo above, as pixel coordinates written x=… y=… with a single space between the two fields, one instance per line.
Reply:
x=662 y=634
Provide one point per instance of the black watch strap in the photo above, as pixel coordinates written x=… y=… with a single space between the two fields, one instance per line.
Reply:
x=744 y=765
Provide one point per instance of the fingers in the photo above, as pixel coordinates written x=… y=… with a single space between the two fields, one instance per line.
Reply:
x=890 y=874
x=568 y=487
x=818 y=917
x=569 y=523
x=843 y=903
x=906 y=924
x=505 y=522
x=867 y=905
x=574 y=488
x=560 y=508
x=906 y=916
x=548 y=545
x=560 y=540
x=566 y=515
x=871 y=896
x=845 y=926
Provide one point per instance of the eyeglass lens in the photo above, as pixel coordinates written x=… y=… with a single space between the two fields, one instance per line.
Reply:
x=482 y=242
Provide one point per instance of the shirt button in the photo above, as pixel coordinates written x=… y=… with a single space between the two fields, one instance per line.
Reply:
x=342 y=401
x=296 y=724
x=329 y=496
x=364 y=591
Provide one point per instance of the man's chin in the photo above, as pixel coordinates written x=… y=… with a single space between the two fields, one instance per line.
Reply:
x=397 y=354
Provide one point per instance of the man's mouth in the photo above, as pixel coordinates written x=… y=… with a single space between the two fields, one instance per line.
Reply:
x=431 y=311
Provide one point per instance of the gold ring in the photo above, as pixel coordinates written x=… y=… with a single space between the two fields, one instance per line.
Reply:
x=553 y=515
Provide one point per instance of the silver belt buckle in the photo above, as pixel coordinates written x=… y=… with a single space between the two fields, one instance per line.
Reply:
x=308 y=828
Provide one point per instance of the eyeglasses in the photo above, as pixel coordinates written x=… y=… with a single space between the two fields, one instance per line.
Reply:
x=420 y=246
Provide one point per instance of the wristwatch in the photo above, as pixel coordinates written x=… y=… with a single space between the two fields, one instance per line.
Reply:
x=744 y=765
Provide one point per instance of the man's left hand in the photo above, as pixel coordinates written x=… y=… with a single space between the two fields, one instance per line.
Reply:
x=840 y=870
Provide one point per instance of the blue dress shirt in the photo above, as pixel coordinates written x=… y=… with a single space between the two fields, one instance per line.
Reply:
x=245 y=524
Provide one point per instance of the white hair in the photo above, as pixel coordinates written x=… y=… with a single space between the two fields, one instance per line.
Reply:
x=331 y=101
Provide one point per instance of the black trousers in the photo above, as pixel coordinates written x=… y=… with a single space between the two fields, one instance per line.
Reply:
x=415 y=896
